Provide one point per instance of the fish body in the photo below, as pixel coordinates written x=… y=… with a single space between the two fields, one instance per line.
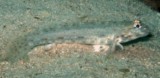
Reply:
x=100 y=39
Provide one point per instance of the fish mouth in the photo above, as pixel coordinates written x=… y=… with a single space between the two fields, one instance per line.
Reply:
x=137 y=40
x=135 y=34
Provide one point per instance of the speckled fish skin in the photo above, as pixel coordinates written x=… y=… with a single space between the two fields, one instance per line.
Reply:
x=136 y=31
x=131 y=33
x=110 y=37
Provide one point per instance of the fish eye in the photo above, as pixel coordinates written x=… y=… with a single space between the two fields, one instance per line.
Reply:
x=138 y=26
